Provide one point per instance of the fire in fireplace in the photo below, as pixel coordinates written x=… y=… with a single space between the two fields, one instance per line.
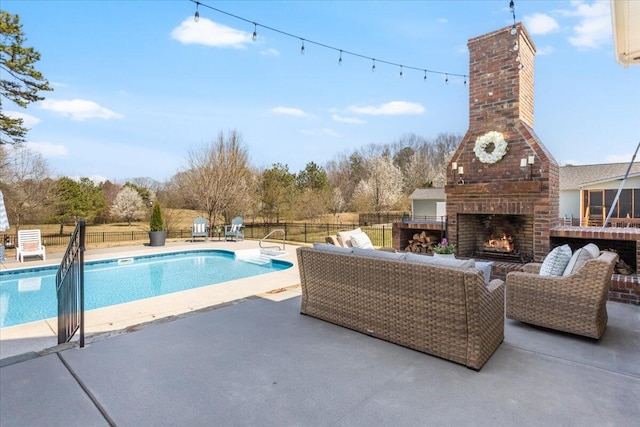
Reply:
x=503 y=244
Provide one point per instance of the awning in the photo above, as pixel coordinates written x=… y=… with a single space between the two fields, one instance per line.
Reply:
x=626 y=31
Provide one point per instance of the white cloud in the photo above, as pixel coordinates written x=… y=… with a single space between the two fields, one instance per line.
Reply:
x=351 y=120
x=47 y=149
x=539 y=23
x=288 y=111
x=388 y=109
x=442 y=20
x=544 y=50
x=27 y=120
x=209 y=33
x=594 y=27
x=324 y=131
x=79 y=109
x=270 y=52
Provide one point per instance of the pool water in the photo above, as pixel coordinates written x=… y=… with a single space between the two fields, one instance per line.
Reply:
x=28 y=295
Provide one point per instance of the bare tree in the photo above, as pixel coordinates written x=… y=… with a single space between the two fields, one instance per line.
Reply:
x=128 y=204
x=217 y=177
x=384 y=185
x=25 y=181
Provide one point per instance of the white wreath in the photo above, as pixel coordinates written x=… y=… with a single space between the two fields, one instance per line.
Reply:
x=499 y=147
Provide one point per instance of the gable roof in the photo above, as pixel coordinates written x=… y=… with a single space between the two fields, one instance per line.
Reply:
x=430 y=193
x=572 y=177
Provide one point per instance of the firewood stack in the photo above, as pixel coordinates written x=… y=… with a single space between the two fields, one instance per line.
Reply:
x=621 y=267
x=421 y=244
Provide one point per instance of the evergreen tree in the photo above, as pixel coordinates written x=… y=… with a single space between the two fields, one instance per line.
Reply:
x=20 y=82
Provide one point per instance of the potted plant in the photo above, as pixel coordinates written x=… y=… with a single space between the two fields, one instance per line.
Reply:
x=157 y=231
x=444 y=249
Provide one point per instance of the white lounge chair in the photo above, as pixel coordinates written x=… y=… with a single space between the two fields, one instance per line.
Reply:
x=29 y=244
x=234 y=231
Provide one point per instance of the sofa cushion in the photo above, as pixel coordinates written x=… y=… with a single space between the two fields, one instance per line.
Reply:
x=556 y=261
x=344 y=237
x=485 y=267
x=579 y=257
x=450 y=262
x=331 y=248
x=378 y=254
x=361 y=240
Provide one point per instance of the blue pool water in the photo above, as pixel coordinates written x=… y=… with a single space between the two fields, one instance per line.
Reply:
x=28 y=295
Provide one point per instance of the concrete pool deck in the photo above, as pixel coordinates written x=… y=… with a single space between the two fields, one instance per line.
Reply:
x=258 y=362
x=41 y=335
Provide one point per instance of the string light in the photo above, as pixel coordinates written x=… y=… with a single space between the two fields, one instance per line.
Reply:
x=342 y=51
x=446 y=79
x=196 y=17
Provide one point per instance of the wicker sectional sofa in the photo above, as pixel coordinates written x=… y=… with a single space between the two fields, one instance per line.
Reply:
x=444 y=311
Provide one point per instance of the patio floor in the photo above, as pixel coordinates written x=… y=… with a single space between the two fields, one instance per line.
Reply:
x=257 y=361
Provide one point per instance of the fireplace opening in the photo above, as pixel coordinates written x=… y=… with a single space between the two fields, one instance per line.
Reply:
x=496 y=236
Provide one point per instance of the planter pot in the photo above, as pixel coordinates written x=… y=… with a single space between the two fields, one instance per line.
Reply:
x=157 y=238
x=452 y=256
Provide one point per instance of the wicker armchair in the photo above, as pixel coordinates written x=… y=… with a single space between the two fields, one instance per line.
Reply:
x=575 y=303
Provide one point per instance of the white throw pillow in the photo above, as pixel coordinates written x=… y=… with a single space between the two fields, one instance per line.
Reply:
x=556 y=261
x=577 y=260
x=593 y=249
x=344 y=237
x=361 y=240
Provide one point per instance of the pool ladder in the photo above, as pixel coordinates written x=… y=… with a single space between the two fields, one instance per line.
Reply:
x=277 y=246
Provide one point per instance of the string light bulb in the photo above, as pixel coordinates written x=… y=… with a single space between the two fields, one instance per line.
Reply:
x=340 y=59
x=425 y=75
x=465 y=80
x=302 y=47
x=401 y=71
x=196 y=17
x=446 y=79
x=373 y=67
x=255 y=31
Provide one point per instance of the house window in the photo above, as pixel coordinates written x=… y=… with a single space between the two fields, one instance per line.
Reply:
x=597 y=204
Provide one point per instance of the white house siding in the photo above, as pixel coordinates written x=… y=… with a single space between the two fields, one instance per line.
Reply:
x=570 y=204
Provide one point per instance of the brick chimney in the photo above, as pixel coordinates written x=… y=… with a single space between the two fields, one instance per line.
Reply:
x=501 y=95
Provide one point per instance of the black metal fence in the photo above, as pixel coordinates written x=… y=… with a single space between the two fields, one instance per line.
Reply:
x=70 y=288
x=380 y=235
x=372 y=218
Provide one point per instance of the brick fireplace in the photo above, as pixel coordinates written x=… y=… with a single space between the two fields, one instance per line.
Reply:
x=516 y=196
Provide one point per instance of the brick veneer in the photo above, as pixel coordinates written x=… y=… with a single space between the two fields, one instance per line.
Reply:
x=501 y=99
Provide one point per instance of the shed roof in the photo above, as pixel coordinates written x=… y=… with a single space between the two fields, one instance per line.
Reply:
x=430 y=193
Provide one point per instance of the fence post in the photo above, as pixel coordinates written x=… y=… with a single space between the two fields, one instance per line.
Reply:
x=305 y=232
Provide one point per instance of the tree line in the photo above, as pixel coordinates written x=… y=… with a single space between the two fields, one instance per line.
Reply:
x=219 y=181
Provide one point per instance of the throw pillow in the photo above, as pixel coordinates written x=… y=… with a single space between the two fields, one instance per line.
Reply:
x=556 y=261
x=593 y=249
x=331 y=248
x=361 y=240
x=577 y=260
x=378 y=254
x=344 y=237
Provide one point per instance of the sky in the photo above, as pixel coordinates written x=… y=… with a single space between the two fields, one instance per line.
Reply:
x=140 y=84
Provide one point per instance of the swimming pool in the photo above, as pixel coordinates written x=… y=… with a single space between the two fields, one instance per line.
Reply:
x=28 y=295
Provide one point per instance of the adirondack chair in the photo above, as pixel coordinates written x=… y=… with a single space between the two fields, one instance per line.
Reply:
x=29 y=244
x=200 y=228
x=234 y=231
